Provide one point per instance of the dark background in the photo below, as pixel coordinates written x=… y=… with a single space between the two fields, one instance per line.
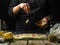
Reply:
x=11 y=21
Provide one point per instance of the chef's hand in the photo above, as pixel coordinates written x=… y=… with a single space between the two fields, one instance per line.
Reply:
x=45 y=20
x=25 y=7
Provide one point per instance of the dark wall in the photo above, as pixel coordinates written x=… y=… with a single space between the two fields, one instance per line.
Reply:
x=10 y=21
x=54 y=5
x=57 y=13
x=4 y=8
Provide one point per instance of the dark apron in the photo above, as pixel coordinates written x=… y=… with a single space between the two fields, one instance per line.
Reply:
x=33 y=17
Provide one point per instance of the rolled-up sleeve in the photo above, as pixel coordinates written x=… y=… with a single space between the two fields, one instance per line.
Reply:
x=10 y=9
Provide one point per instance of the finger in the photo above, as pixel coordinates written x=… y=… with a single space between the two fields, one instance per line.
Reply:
x=22 y=5
x=28 y=8
x=24 y=8
x=48 y=18
x=44 y=21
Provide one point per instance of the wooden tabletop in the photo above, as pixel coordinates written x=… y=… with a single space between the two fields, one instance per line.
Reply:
x=34 y=42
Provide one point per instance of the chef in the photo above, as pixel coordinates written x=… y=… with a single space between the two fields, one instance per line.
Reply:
x=28 y=12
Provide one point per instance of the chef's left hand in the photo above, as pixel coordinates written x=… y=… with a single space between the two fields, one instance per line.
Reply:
x=46 y=19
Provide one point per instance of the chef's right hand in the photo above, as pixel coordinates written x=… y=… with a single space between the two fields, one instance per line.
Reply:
x=25 y=7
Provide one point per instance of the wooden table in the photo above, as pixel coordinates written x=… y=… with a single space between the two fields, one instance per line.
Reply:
x=34 y=42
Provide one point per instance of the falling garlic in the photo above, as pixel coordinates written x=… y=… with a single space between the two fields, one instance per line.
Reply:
x=27 y=21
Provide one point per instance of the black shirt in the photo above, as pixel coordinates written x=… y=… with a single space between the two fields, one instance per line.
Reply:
x=38 y=11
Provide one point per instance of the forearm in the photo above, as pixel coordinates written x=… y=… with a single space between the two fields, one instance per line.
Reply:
x=16 y=9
